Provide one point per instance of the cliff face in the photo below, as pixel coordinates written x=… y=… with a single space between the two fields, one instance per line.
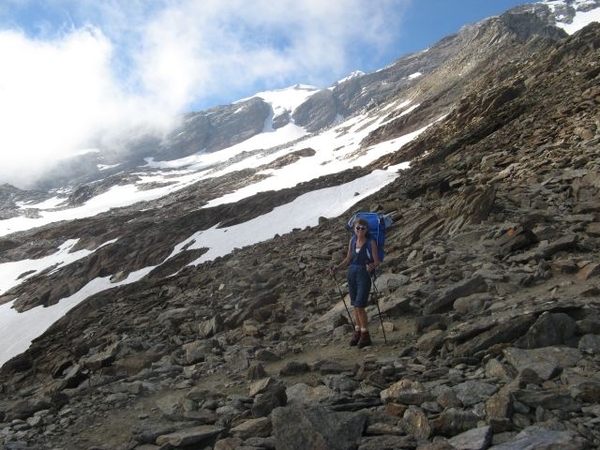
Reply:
x=487 y=325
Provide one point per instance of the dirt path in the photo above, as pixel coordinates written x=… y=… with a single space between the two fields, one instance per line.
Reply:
x=108 y=431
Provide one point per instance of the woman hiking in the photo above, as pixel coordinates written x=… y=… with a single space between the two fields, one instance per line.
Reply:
x=362 y=258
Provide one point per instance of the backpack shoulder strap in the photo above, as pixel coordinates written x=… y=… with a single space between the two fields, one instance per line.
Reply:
x=368 y=248
x=353 y=254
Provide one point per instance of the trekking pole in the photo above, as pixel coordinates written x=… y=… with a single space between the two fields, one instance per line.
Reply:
x=343 y=299
x=374 y=293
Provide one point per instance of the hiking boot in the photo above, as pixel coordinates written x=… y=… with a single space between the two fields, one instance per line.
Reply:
x=365 y=340
x=355 y=338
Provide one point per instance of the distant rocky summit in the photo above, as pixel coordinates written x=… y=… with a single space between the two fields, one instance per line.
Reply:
x=486 y=320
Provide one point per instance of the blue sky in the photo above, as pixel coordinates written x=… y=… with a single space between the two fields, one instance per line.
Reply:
x=427 y=21
x=84 y=71
x=308 y=42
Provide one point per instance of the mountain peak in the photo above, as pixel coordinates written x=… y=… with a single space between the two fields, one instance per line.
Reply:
x=355 y=74
x=287 y=99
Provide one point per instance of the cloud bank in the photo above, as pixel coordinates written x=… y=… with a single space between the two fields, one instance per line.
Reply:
x=79 y=72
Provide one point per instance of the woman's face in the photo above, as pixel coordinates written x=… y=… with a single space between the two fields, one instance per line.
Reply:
x=360 y=228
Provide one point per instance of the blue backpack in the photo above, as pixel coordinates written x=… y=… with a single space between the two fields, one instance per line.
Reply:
x=378 y=223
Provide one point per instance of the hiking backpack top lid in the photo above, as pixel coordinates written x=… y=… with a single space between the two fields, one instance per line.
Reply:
x=378 y=222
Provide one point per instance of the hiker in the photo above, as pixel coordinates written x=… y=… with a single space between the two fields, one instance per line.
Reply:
x=362 y=259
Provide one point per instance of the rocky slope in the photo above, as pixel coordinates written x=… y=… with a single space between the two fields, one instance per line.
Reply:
x=489 y=297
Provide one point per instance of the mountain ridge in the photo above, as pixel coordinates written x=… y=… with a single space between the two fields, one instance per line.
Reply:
x=212 y=130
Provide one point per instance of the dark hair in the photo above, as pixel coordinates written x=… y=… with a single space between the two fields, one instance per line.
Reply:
x=362 y=221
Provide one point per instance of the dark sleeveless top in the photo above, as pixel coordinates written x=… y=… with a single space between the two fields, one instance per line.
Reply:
x=362 y=257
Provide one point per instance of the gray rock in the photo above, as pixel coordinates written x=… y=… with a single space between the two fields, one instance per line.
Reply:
x=260 y=427
x=387 y=442
x=200 y=435
x=504 y=332
x=586 y=392
x=452 y=422
x=473 y=392
x=590 y=344
x=545 y=362
x=297 y=427
x=268 y=400
x=340 y=383
x=475 y=439
x=407 y=392
x=147 y=431
x=549 y=330
x=445 y=298
x=416 y=423
x=301 y=393
x=543 y=439
x=547 y=399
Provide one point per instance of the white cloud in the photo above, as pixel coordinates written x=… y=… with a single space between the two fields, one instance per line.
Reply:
x=226 y=46
x=56 y=97
x=78 y=69
x=43 y=87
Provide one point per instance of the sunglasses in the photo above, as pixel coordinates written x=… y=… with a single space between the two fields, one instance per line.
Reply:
x=360 y=228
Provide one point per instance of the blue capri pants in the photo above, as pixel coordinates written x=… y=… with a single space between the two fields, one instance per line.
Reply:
x=359 y=285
